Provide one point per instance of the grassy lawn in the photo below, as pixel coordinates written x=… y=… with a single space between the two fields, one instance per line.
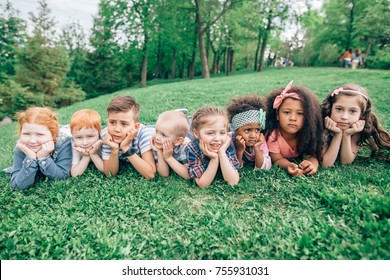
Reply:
x=342 y=212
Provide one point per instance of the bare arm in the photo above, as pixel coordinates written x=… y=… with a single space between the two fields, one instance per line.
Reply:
x=145 y=164
x=180 y=169
x=111 y=166
x=208 y=176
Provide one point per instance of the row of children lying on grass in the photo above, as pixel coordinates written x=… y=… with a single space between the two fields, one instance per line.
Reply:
x=293 y=131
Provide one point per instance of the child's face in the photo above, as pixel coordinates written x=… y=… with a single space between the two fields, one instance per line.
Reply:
x=213 y=133
x=34 y=136
x=291 y=116
x=346 y=111
x=119 y=124
x=85 y=138
x=165 y=130
x=250 y=133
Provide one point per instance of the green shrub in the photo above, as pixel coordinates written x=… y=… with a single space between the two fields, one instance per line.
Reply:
x=381 y=59
x=68 y=96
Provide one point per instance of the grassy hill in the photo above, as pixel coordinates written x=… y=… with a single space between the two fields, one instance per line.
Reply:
x=340 y=213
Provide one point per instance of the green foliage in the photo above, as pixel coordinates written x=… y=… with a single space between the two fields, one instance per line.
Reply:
x=17 y=98
x=339 y=213
x=381 y=59
x=11 y=36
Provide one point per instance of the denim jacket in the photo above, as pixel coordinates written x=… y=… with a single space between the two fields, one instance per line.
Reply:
x=54 y=166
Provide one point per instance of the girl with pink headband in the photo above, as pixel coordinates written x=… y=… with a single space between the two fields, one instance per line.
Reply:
x=294 y=129
x=350 y=123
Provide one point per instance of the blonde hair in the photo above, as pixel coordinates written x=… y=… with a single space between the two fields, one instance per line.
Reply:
x=203 y=116
x=176 y=119
x=41 y=116
x=85 y=119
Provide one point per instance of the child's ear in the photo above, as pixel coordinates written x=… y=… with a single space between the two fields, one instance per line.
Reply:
x=196 y=133
x=179 y=141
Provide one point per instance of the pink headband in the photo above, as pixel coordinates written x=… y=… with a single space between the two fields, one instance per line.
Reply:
x=340 y=89
x=279 y=99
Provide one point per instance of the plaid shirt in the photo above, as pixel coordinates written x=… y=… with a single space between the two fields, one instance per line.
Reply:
x=198 y=161
x=179 y=152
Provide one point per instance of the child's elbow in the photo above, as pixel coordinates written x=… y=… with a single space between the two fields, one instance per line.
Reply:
x=150 y=175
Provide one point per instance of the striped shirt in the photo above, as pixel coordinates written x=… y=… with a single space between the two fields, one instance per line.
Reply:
x=141 y=143
x=198 y=161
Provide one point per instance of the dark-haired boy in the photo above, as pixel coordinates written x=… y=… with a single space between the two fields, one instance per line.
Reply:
x=126 y=139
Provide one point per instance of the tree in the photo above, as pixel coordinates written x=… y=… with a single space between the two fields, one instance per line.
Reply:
x=12 y=35
x=203 y=24
x=43 y=63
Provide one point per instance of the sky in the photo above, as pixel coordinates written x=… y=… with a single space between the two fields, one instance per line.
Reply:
x=64 y=11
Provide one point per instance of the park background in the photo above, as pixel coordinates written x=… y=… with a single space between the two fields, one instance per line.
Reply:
x=175 y=54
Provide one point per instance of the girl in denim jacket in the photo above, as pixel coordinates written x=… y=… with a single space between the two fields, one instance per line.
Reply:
x=41 y=149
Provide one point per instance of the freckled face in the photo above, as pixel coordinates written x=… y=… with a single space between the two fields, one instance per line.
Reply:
x=346 y=111
x=85 y=138
x=291 y=116
x=213 y=133
x=119 y=124
x=34 y=136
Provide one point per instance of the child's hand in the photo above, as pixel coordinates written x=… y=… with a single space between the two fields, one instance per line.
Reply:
x=95 y=147
x=82 y=151
x=294 y=170
x=130 y=136
x=153 y=144
x=26 y=150
x=47 y=148
x=109 y=142
x=206 y=151
x=308 y=167
x=240 y=144
x=331 y=125
x=356 y=127
x=167 y=148
x=224 y=146
x=260 y=141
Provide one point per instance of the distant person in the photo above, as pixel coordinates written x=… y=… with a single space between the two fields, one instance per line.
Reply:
x=126 y=139
x=294 y=127
x=42 y=150
x=247 y=117
x=169 y=142
x=212 y=149
x=357 y=59
x=271 y=59
x=350 y=124
x=347 y=57
x=85 y=127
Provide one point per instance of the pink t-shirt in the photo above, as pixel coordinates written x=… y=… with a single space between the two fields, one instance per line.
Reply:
x=280 y=146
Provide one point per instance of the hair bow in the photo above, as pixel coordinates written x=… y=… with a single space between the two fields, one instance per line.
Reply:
x=285 y=94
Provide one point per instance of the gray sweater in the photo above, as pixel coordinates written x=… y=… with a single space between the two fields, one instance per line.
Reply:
x=54 y=166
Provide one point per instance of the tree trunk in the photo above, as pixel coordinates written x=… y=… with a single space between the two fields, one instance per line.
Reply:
x=231 y=59
x=144 y=62
x=265 y=40
x=159 y=55
x=173 y=72
x=257 y=50
x=182 y=66
x=350 y=26
x=191 y=68
x=202 y=49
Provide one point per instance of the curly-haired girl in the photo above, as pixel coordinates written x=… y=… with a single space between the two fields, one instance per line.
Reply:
x=247 y=118
x=350 y=123
x=294 y=128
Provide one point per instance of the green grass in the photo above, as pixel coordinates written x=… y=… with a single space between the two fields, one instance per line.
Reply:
x=340 y=213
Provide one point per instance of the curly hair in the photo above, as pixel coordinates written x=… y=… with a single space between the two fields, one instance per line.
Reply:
x=243 y=104
x=373 y=135
x=309 y=138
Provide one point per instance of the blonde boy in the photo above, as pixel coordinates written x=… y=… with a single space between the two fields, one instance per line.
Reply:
x=126 y=139
x=169 y=141
x=85 y=127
